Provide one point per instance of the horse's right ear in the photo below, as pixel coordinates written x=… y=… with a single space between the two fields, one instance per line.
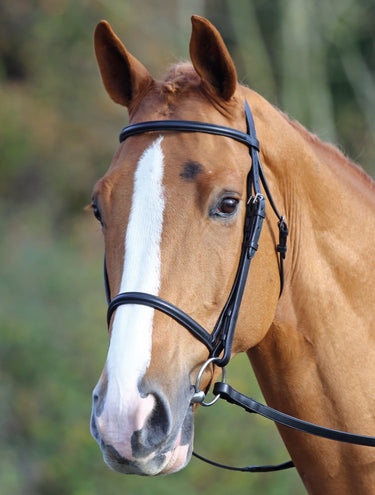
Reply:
x=124 y=77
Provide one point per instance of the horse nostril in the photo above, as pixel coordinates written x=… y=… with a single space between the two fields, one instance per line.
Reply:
x=93 y=427
x=97 y=403
x=156 y=429
x=160 y=419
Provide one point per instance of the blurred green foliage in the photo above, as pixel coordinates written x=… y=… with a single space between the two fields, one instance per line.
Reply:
x=58 y=130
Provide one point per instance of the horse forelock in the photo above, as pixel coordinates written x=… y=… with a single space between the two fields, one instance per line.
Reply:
x=182 y=82
x=179 y=78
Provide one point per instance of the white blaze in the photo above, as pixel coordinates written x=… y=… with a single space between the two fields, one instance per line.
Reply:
x=129 y=352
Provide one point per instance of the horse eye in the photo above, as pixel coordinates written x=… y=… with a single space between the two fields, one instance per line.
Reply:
x=226 y=207
x=96 y=211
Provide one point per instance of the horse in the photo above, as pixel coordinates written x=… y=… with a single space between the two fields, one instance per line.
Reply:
x=172 y=207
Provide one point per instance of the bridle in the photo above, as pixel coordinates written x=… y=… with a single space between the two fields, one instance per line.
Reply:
x=219 y=341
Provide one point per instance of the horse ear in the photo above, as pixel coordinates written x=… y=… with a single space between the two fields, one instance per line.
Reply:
x=211 y=59
x=123 y=75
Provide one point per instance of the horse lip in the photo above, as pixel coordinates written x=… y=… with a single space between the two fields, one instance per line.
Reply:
x=177 y=451
x=152 y=465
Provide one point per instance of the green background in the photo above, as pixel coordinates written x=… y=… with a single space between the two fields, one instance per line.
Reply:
x=58 y=130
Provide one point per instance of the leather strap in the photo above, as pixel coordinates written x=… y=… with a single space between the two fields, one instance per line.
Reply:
x=250 y=405
x=188 y=126
x=166 y=307
x=247 y=469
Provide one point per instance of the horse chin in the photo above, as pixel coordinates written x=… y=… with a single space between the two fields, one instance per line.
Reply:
x=160 y=462
x=154 y=465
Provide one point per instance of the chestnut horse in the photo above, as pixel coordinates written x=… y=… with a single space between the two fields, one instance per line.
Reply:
x=172 y=208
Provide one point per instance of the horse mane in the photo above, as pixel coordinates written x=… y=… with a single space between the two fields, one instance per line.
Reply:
x=330 y=149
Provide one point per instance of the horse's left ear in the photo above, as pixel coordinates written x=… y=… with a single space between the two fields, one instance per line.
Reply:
x=211 y=59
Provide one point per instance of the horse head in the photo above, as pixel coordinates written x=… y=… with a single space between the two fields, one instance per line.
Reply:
x=172 y=208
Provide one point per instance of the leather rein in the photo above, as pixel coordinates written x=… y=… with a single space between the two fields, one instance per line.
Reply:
x=219 y=341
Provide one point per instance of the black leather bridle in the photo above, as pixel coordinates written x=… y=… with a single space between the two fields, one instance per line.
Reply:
x=219 y=341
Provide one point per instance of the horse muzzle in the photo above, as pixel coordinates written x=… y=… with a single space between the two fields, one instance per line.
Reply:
x=144 y=435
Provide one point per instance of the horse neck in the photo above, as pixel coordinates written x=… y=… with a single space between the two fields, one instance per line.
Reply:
x=330 y=206
x=317 y=360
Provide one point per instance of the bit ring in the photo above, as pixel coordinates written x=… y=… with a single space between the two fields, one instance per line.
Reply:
x=199 y=395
